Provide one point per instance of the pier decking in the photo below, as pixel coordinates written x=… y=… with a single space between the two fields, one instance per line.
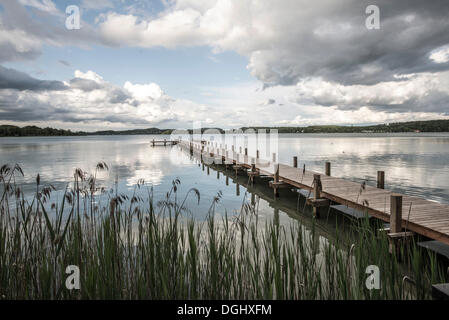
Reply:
x=424 y=217
x=164 y=142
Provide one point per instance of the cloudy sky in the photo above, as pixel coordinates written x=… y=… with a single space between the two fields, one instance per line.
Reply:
x=166 y=63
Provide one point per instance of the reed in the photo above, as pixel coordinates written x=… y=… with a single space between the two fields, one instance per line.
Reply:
x=139 y=248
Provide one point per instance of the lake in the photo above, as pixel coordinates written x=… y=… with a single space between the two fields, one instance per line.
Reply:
x=414 y=164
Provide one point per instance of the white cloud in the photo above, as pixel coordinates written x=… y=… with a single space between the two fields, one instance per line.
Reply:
x=419 y=92
x=89 y=75
x=43 y=5
x=143 y=92
x=318 y=115
x=17 y=44
x=440 y=55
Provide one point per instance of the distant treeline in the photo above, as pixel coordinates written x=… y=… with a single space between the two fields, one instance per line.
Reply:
x=413 y=126
x=14 y=131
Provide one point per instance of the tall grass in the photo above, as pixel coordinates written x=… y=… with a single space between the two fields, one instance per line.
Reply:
x=132 y=248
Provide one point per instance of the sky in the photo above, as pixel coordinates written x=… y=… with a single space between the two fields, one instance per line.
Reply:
x=224 y=63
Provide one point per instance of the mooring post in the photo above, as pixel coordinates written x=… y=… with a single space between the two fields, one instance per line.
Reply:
x=246 y=151
x=153 y=142
x=381 y=179
x=274 y=157
x=276 y=179
x=240 y=150
x=328 y=168
x=237 y=189
x=208 y=171
x=218 y=174
x=316 y=194
x=395 y=213
x=395 y=222
x=295 y=162
x=253 y=170
x=227 y=180
x=257 y=154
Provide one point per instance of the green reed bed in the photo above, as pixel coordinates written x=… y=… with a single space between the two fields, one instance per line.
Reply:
x=137 y=248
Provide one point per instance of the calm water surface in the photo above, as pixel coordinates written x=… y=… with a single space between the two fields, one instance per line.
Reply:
x=415 y=164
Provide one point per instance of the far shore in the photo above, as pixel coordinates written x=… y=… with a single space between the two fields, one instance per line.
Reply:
x=430 y=126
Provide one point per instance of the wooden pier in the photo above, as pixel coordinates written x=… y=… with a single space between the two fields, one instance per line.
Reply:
x=164 y=142
x=406 y=214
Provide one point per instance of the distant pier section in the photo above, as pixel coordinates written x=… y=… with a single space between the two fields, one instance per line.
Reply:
x=164 y=142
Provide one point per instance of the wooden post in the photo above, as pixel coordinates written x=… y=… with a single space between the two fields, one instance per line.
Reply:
x=381 y=179
x=295 y=162
x=237 y=189
x=395 y=223
x=227 y=180
x=153 y=142
x=165 y=142
x=395 y=213
x=276 y=179
x=274 y=157
x=328 y=168
x=316 y=193
x=257 y=154
x=253 y=169
x=208 y=171
x=240 y=150
x=232 y=147
x=246 y=151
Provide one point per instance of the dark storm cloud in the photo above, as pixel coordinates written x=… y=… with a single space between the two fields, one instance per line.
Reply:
x=333 y=42
x=16 y=107
x=13 y=79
